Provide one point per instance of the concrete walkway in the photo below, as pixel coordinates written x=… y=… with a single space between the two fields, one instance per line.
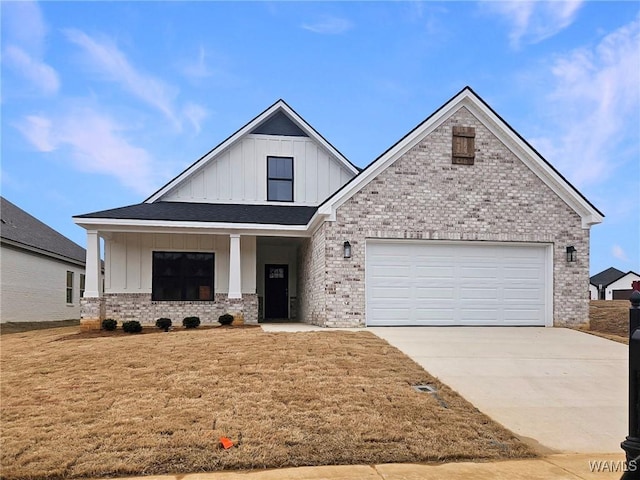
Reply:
x=555 y=467
x=559 y=388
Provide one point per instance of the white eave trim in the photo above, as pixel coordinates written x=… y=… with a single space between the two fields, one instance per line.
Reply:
x=468 y=99
x=170 y=226
x=279 y=105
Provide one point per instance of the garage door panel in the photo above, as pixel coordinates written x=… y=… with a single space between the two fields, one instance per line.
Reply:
x=401 y=293
x=522 y=274
x=462 y=283
x=524 y=294
x=433 y=293
x=434 y=314
x=521 y=315
x=441 y=272
x=478 y=272
x=392 y=315
x=479 y=294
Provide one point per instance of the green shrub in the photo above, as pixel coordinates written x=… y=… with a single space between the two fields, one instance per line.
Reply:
x=191 y=322
x=163 y=323
x=132 y=326
x=109 y=324
x=225 y=319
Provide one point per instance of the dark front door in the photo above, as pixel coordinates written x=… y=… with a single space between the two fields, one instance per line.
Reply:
x=276 y=291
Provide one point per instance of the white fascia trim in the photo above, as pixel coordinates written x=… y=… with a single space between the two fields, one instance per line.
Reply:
x=467 y=99
x=169 y=226
x=279 y=105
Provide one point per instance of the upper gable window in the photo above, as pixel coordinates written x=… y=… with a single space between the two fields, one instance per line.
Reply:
x=280 y=179
x=463 y=146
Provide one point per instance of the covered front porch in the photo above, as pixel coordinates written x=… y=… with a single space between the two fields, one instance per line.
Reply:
x=152 y=274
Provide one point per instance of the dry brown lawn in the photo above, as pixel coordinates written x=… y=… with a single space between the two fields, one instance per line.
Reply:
x=19 y=327
x=609 y=319
x=158 y=403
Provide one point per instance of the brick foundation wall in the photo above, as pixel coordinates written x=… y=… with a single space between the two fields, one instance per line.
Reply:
x=139 y=306
x=424 y=196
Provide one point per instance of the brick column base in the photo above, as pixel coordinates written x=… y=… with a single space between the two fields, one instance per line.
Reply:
x=91 y=313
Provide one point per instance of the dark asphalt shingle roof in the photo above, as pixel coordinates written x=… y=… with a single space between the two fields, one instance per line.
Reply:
x=20 y=227
x=210 y=212
x=607 y=276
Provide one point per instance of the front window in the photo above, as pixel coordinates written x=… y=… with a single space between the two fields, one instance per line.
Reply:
x=182 y=276
x=280 y=179
x=69 y=287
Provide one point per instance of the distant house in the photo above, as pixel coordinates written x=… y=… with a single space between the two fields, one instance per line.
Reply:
x=42 y=272
x=612 y=284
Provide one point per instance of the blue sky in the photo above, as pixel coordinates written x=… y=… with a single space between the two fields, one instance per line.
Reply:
x=102 y=103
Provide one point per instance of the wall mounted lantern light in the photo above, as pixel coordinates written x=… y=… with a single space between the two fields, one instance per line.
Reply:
x=571 y=254
x=347 y=250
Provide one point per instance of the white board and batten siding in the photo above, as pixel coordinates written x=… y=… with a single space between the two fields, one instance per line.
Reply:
x=239 y=174
x=458 y=283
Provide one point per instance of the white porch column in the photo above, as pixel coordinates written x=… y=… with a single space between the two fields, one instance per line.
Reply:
x=235 y=275
x=93 y=285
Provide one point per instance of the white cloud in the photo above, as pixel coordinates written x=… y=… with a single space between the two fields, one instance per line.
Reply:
x=329 y=25
x=41 y=75
x=195 y=114
x=110 y=61
x=24 y=25
x=24 y=39
x=594 y=106
x=618 y=252
x=37 y=130
x=533 y=21
x=198 y=69
x=96 y=144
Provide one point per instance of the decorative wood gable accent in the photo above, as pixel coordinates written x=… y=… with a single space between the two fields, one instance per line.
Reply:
x=463 y=148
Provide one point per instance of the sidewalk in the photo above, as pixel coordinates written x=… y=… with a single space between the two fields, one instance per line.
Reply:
x=561 y=467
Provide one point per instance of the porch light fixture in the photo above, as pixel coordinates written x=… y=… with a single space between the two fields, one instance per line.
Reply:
x=347 y=250
x=571 y=253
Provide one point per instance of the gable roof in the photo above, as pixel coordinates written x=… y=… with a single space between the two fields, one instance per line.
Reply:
x=209 y=212
x=502 y=130
x=20 y=229
x=278 y=117
x=607 y=276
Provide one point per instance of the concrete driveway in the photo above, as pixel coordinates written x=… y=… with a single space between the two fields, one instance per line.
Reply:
x=556 y=388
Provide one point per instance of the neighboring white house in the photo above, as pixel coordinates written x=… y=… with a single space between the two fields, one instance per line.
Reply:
x=593 y=292
x=461 y=222
x=42 y=272
x=612 y=284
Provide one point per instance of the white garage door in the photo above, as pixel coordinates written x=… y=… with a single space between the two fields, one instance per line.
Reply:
x=459 y=283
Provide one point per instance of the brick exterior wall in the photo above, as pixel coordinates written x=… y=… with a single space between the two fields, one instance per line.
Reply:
x=312 y=279
x=139 y=306
x=423 y=195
